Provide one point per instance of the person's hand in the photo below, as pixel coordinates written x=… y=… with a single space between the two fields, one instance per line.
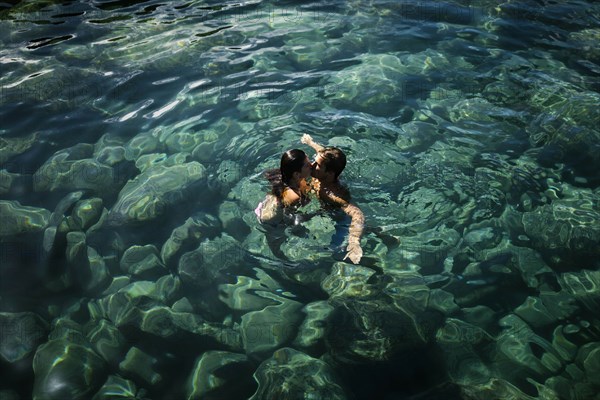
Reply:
x=355 y=252
x=306 y=139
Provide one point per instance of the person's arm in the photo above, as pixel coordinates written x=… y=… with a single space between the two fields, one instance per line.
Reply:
x=307 y=139
x=355 y=252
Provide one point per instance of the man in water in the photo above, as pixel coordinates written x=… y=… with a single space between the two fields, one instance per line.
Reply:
x=326 y=169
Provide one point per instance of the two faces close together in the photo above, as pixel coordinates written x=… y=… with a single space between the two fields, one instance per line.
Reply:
x=291 y=189
x=326 y=167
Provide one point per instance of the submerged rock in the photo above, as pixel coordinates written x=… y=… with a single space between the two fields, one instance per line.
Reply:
x=217 y=374
x=6 y=181
x=142 y=306
x=290 y=374
x=313 y=245
x=497 y=388
x=480 y=110
x=424 y=208
x=111 y=155
x=57 y=216
x=565 y=103
x=146 y=196
x=313 y=328
x=566 y=125
x=107 y=340
x=221 y=134
x=17 y=219
x=86 y=213
x=202 y=266
x=6 y=394
x=152 y=160
x=64 y=370
x=584 y=286
x=348 y=281
x=127 y=305
x=116 y=387
x=182 y=141
x=140 y=365
x=21 y=334
x=187 y=234
x=417 y=135
x=62 y=172
x=10 y=147
x=76 y=252
x=362 y=331
x=589 y=358
x=371 y=86
x=429 y=248
x=230 y=216
x=376 y=320
x=228 y=175
x=459 y=342
x=84 y=266
x=143 y=143
x=536 y=313
x=143 y=262
x=310 y=49
x=566 y=227
x=515 y=355
x=272 y=327
x=248 y=294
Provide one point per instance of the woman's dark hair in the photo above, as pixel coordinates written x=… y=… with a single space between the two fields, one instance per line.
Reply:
x=291 y=161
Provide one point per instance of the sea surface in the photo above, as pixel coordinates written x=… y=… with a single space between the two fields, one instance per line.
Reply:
x=133 y=140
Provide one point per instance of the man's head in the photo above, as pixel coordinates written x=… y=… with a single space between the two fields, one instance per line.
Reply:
x=329 y=164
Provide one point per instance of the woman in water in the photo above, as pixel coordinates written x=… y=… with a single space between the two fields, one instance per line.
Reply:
x=289 y=189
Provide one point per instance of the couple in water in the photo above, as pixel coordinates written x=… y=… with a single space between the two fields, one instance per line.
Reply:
x=291 y=190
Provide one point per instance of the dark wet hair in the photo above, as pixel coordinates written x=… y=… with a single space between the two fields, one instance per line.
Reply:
x=334 y=160
x=291 y=161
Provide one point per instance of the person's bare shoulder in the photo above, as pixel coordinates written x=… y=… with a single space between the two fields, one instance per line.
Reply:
x=289 y=198
x=336 y=194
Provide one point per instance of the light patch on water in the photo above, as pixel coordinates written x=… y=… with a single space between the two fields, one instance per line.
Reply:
x=159 y=113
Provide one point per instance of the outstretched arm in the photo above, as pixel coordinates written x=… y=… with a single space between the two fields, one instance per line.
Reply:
x=355 y=252
x=307 y=139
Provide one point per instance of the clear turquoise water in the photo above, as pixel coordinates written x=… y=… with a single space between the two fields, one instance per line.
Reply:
x=132 y=143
